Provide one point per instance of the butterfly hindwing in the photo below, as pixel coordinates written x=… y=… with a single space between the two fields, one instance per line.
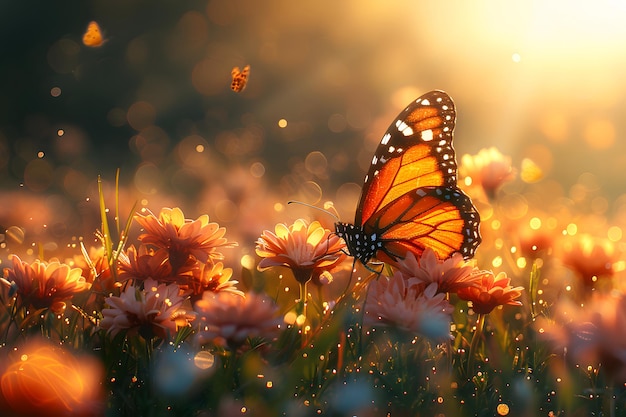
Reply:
x=416 y=151
x=441 y=218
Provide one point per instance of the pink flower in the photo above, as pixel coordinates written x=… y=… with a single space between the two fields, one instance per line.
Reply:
x=183 y=237
x=492 y=291
x=307 y=249
x=592 y=334
x=44 y=285
x=228 y=319
x=407 y=305
x=145 y=263
x=488 y=169
x=154 y=311
x=450 y=275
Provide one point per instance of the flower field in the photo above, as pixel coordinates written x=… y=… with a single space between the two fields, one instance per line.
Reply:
x=153 y=323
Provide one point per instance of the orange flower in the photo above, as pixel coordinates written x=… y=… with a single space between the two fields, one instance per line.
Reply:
x=590 y=257
x=407 y=305
x=95 y=270
x=44 y=285
x=534 y=241
x=307 y=249
x=228 y=319
x=488 y=169
x=95 y=267
x=48 y=381
x=154 y=311
x=450 y=275
x=491 y=292
x=183 y=237
x=214 y=278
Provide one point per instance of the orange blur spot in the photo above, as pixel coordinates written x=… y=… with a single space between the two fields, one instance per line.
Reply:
x=48 y=381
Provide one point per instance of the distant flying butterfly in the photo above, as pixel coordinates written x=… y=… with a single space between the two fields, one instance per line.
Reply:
x=240 y=78
x=93 y=35
x=410 y=200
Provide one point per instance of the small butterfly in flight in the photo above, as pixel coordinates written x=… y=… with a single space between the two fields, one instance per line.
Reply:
x=93 y=35
x=410 y=200
x=240 y=78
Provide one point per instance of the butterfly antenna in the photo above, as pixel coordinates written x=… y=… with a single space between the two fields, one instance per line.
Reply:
x=334 y=216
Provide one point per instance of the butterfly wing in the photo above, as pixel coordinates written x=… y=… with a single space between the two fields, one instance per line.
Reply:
x=240 y=78
x=93 y=35
x=441 y=218
x=410 y=198
x=416 y=151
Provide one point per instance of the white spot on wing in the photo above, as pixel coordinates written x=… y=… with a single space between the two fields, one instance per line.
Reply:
x=427 y=135
x=401 y=125
x=404 y=128
x=385 y=139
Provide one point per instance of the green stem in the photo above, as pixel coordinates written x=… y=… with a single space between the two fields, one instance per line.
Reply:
x=320 y=299
x=301 y=308
x=610 y=398
x=478 y=334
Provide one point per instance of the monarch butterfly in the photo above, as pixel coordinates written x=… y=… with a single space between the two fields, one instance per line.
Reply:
x=240 y=78
x=93 y=35
x=410 y=200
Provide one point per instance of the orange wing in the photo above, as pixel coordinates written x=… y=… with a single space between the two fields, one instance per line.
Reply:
x=416 y=151
x=410 y=200
x=441 y=218
x=93 y=35
x=240 y=78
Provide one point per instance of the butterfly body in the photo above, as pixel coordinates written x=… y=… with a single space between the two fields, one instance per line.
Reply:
x=410 y=199
x=361 y=245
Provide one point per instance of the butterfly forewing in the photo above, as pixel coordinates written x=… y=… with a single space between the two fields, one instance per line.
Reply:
x=416 y=151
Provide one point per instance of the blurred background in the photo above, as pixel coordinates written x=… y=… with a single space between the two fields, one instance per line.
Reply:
x=539 y=80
